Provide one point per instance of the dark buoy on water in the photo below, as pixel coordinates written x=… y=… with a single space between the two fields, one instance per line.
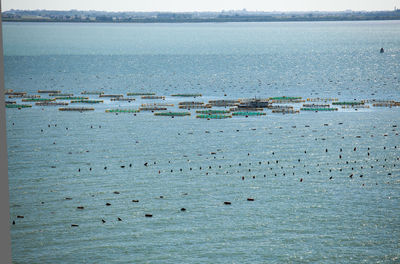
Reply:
x=382 y=50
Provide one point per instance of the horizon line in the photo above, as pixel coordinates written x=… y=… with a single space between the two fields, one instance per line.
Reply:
x=204 y=11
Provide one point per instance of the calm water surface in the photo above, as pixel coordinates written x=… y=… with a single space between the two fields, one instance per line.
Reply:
x=297 y=168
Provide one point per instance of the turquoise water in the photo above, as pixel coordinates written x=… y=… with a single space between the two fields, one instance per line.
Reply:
x=306 y=208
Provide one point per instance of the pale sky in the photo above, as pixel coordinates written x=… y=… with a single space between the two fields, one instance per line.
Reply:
x=202 y=5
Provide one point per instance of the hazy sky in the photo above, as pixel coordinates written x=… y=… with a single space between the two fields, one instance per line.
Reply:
x=201 y=5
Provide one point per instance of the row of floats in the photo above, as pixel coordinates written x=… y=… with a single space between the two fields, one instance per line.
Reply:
x=238 y=107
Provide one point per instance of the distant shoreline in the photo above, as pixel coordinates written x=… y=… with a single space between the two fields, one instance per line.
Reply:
x=149 y=21
x=73 y=16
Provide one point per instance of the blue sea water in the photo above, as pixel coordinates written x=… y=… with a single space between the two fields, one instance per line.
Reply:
x=328 y=217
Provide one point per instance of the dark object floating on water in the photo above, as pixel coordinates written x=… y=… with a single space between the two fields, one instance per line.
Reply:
x=80 y=207
x=382 y=50
x=119 y=219
x=148 y=215
x=227 y=202
x=74 y=225
x=102 y=220
x=108 y=204
x=13 y=222
x=135 y=201
x=183 y=209
x=68 y=198
x=116 y=192
x=20 y=216
x=250 y=199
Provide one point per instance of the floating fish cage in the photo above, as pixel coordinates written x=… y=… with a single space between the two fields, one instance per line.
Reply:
x=71 y=98
x=49 y=91
x=111 y=95
x=186 y=95
x=348 y=103
x=92 y=92
x=285 y=111
x=10 y=92
x=50 y=103
x=152 y=97
x=156 y=104
x=122 y=111
x=17 y=106
x=223 y=103
x=210 y=112
x=38 y=99
x=248 y=109
x=280 y=107
x=214 y=116
x=122 y=99
x=152 y=108
x=78 y=109
x=195 y=106
x=285 y=98
x=248 y=113
x=31 y=96
x=322 y=99
x=378 y=101
x=388 y=104
x=23 y=96
x=316 y=105
x=318 y=109
x=355 y=106
x=86 y=101
x=173 y=114
x=282 y=101
x=139 y=94
x=60 y=94
x=191 y=103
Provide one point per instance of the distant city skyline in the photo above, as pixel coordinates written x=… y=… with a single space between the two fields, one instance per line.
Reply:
x=205 y=5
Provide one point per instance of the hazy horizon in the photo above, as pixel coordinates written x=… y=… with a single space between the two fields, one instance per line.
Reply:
x=204 y=6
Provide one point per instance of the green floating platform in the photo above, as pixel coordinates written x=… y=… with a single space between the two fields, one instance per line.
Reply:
x=209 y=112
x=135 y=94
x=214 y=116
x=318 y=109
x=87 y=101
x=18 y=106
x=186 y=95
x=72 y=98
x=173 y=114
x=348 y=103
x=248 y=113
x=122 y=111
x=37 y=99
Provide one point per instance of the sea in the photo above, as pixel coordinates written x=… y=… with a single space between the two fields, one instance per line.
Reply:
x=308 y=187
